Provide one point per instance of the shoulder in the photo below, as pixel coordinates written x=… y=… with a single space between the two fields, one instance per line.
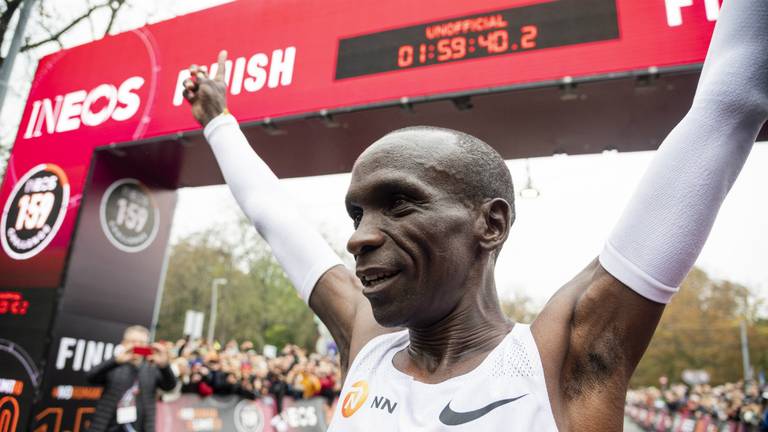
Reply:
x=591 y=335
x=376 y=349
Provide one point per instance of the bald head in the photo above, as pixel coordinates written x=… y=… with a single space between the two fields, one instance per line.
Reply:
x=464 y=164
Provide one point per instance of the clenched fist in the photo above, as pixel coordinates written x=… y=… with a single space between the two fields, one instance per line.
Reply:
x=207 y=96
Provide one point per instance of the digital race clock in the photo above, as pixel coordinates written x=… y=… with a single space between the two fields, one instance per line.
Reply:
x=501 y=32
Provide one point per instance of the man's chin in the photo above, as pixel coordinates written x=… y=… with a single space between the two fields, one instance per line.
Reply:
x=389 y=315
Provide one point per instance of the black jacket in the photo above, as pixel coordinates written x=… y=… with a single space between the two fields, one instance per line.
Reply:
x=117 y=379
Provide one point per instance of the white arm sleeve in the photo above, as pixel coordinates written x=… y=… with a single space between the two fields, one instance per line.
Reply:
x=303 y=253
x=667 y=221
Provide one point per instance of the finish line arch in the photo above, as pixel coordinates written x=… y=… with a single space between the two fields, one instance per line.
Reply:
x=105 y=139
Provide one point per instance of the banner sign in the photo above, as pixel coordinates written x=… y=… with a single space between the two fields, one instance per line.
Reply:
x=112 y=283
x=192 y=413
x=660 y=420
x=67 y=399
x=24 y=320
x=302 y=415
x=299 y=58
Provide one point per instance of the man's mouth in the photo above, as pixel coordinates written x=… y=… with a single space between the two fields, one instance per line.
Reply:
x=377 y=278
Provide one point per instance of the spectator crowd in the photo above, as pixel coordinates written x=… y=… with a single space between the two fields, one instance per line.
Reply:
x=733 y=406
x=238 y=369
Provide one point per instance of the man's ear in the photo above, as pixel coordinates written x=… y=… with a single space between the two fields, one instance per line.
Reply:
x=495 y=219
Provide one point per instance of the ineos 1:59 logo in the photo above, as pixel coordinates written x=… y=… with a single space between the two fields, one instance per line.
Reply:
x=34 y=211
x=129 y=216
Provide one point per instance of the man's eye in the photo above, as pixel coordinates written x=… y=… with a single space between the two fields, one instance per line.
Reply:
x=400 y=206
x=356 y=218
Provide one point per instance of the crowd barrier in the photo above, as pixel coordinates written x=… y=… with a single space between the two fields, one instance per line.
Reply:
x=661 y=420
x=192 y=413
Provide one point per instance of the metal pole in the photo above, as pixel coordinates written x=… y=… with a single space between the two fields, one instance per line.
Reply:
x=745 y=352
x=214 y=306
x=159 y=295
x=18 y=34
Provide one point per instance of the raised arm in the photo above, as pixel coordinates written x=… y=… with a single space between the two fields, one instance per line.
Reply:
x=603 y=320
x=332 y=291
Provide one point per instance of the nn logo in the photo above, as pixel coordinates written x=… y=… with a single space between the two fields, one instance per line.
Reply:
x=355 y=398
x=382 y=403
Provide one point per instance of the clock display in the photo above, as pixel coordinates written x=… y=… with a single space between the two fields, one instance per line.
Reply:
x=13 y=303
x=525 y=28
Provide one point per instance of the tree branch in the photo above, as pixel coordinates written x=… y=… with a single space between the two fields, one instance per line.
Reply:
x=5 y=18
x=55 y=37
x=51 y=35
x=115 y=5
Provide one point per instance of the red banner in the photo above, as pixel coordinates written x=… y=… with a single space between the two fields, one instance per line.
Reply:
x=661 y=420
x=297 y=57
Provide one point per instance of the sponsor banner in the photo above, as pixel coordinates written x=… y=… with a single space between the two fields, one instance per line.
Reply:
x=32 y=215
x=67 y=399
x=113 y=281
x=112 y=284
x=116 y=263
x=305 y=415
x=19 y=380
x=25 y=317
x=192 y=413
x=347 y=54
x=660 y=420
x=34 y=212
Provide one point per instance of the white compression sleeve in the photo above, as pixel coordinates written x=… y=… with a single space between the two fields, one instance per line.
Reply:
x=303 y=253
x=667 y=221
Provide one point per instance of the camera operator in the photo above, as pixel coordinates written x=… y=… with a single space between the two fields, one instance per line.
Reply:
x=130 y=381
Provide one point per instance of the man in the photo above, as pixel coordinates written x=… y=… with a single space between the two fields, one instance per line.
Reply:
x=130 y=381
x=423 y=341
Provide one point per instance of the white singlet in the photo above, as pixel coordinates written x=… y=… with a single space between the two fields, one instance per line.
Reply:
x=506 y=392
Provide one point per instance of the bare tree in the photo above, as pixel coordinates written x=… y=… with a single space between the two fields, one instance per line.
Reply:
x=50 y=22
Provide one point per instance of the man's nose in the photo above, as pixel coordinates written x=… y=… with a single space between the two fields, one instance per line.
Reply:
x=367 y=237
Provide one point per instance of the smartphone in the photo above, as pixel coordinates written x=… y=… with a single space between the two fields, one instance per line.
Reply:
x=142 y=350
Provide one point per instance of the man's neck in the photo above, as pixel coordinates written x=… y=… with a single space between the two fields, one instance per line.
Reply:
x=455 y=344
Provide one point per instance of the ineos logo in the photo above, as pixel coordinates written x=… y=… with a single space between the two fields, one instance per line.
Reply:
x=68 y=112
x=34 y=211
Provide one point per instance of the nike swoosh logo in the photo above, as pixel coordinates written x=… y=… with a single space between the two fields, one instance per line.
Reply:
x=450 y=417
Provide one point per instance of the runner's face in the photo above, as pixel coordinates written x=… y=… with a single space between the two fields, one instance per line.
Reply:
x=413 y=238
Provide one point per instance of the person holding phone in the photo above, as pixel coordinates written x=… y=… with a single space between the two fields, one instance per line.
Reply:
x=130 y=381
